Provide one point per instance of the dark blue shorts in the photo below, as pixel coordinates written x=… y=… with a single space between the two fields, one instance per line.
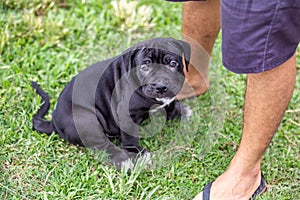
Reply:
x=259 y=35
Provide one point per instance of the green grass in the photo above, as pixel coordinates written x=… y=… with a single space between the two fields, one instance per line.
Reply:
x=51 y=41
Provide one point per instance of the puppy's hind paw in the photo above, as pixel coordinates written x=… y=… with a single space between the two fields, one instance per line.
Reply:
x=186 y=112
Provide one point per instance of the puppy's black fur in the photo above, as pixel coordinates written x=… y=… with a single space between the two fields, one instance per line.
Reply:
x=111 y=98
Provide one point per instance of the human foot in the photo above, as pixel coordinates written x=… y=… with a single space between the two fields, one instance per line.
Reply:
x=239 y=187
x=240 y=182
x=205 y=194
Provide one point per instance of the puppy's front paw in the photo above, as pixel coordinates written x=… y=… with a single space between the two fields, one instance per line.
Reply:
x=141 y=161
x=141 y=157
x=178 y=110
x=127 y=165
x=146 y=156
x=119 y=159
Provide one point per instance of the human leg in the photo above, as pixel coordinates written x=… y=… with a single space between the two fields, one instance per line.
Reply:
x=200 y=27
x=267 y=96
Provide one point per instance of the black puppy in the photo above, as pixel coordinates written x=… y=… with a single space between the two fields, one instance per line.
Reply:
x=111 y=98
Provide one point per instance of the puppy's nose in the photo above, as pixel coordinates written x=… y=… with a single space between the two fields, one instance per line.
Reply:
x=160 y=88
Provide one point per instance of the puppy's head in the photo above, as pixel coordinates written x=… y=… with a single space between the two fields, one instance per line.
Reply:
x=159 y=65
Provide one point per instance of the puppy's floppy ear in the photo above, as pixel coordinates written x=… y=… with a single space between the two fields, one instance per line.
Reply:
x=128 y=60
x=186 y=49
x=129 y=56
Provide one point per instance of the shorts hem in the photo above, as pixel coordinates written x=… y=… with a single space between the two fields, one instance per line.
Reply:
x=254 y=70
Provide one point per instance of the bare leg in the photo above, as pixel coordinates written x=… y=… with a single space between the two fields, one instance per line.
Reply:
x=267 y=97
x=200 y=27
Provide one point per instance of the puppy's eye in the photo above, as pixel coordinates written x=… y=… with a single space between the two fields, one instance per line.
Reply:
x=173 y=63
x=167 y=59
x=147 y=61
x=144 y=68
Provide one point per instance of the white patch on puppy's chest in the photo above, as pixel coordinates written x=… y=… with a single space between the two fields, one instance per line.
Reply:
x=166 y=101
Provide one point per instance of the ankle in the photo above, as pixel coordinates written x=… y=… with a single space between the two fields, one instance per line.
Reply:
x=244 y=167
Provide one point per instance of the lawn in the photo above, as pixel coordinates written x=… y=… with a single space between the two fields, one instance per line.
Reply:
x=51 y=41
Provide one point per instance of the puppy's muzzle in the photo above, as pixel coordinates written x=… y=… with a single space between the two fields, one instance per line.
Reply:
x=159 y=88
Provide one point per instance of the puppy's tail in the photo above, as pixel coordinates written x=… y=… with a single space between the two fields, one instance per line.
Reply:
x=38 y=121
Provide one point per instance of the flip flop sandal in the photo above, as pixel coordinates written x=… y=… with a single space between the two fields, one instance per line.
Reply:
x=261 y=188
x=259 y=191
